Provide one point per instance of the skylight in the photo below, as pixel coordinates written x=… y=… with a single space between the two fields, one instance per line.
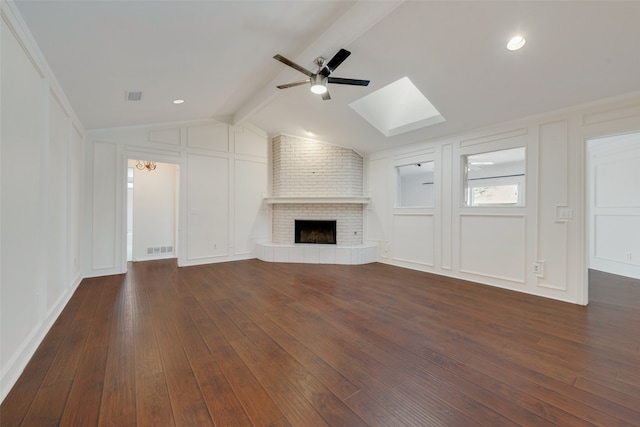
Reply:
x=397 y=108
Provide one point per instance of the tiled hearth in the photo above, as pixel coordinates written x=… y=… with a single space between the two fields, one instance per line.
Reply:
x=316 y=181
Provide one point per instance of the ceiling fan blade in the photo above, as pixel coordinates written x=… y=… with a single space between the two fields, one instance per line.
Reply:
x=326 y=96
x=342 y=81
x=288 y=85
x=293 y=65
x=334 y=62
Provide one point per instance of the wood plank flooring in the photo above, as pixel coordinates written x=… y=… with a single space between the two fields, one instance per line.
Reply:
x=249 y=343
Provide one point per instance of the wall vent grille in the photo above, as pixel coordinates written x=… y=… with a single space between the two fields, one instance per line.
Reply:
x=159 y=250
x=133 y=96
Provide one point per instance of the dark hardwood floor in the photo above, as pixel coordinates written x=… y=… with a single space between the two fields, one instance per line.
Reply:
x=250 y=343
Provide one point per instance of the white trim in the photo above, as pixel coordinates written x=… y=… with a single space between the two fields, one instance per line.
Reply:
x=317 y=200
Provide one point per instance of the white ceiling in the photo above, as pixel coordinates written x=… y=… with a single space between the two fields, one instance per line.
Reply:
x=217 y=56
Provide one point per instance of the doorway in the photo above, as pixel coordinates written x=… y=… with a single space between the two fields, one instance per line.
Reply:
x=152 y=210
x=613 y=204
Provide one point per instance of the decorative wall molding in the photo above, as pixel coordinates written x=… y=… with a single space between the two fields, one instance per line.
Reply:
x=493 y=137
x=619 y=113
x=213 y=136
x=165 y=136
x=104 y=191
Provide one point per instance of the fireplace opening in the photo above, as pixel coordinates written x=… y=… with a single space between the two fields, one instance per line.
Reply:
x=312 y=231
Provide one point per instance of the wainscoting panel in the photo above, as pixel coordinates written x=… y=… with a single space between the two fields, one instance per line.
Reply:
x=165 y=136
x=209 y=137
x=57 y=196
x=207 y=207
x=104 y=215
x=414 y=238
x=377 y=214
x=617 y=238
x=553 y=158
x=446 y=206
x=249 y=142
x=493 y=246
x=616 y=181
x=251 y=222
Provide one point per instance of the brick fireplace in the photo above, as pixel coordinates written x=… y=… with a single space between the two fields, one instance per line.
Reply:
x=321 y=182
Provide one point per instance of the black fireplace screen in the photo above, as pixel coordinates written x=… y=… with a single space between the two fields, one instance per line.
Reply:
x=312 y=231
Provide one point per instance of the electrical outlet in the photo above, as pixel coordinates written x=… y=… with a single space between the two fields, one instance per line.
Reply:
x=538 y=268
x=629 y=256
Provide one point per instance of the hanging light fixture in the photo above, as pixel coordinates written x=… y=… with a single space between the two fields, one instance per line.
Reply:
x=142 y=165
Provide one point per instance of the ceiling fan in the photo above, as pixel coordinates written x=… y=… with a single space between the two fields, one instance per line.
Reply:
x=320 y=78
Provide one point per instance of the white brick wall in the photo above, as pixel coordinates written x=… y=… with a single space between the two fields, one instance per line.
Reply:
x=310 y=168
x=348 y=221
x=304 y=168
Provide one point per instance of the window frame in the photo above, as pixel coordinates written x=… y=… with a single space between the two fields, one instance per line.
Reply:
x=516 y=178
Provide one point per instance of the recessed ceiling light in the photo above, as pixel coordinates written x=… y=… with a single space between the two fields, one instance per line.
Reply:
x=178 y=101
x=516 y=43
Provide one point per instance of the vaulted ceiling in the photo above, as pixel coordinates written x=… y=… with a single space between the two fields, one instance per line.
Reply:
x=218 y=57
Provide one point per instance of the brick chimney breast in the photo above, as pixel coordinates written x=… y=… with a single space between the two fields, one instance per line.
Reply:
x=306 y=168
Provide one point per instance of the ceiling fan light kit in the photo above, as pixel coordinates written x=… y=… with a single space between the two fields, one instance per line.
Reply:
x=319 y=79
x=318 y=84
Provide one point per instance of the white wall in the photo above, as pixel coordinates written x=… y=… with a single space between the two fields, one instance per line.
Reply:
x=614 y=204
x=40 y=191
x=499 y=245
x=223 y=178
x=155 y=205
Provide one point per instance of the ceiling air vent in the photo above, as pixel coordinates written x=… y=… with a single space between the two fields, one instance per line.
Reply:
x=133 y=96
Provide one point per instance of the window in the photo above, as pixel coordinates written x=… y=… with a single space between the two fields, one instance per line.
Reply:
x=496 y=178
x=415 y=185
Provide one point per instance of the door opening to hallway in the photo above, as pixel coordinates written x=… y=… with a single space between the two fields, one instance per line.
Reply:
x=152 y=211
